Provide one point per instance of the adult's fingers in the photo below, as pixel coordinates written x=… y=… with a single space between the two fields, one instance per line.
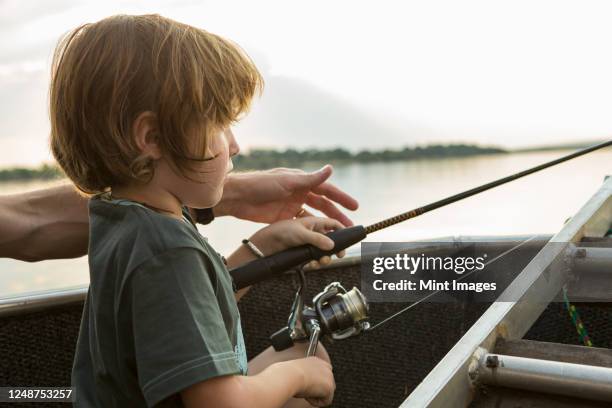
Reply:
x=328 y=208
x=310 y=180
x=316 y=183
x=337 y=195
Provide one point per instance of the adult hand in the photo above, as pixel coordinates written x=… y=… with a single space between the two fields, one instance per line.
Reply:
x=278 y=194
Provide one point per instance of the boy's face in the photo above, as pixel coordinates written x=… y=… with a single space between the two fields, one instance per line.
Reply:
x=211 y=174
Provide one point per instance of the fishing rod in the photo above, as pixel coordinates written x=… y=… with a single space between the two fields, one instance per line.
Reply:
x=337 y=312
x=271 y=265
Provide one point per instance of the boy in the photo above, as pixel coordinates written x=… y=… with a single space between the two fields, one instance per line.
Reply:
x=140 y=113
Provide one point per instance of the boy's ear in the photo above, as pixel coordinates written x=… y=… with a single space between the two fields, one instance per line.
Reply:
x=145 y=130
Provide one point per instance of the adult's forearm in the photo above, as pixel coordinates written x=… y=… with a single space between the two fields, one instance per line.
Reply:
x=44 y=224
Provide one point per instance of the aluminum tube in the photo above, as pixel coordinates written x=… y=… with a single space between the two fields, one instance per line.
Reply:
x=554 y=377
x=33 y=301
x=592 y=260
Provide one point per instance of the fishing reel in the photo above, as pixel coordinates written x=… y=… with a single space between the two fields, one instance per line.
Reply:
x=335 y=313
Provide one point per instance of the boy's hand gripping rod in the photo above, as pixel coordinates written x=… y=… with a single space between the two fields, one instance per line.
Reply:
x=336 y=312
x=272 y=265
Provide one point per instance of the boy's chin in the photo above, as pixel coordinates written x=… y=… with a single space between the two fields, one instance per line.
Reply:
x=208 y=202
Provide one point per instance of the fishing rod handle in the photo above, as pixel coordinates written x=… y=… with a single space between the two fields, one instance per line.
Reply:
x=272 y=265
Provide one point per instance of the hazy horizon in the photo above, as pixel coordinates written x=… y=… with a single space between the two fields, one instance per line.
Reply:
x=517 y=150
x=364 y=76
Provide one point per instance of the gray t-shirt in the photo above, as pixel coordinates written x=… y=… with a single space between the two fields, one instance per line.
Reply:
x=160 y=314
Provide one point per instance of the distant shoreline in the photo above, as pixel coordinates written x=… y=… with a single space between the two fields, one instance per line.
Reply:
x=259 y=159
x=44 y=172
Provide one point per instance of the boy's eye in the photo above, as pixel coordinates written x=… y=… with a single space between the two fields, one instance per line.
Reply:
x=201 y=160
x=210 y=158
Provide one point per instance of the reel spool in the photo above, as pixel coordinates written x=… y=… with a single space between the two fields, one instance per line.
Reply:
x=335 y=313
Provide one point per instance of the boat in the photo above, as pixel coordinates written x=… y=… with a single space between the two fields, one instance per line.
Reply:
x=520 y=353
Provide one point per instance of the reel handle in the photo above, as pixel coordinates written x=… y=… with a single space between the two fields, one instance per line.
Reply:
x=314 y=339
x=282 y=340
x=266 y=267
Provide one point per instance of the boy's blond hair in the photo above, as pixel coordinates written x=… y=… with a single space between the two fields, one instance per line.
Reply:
x=105 y=74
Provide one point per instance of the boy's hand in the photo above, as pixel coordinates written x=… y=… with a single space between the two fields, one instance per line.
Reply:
x=319 y=383
x=291 y=233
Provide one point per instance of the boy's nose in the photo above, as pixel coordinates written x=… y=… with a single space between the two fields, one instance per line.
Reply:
x=234 y=149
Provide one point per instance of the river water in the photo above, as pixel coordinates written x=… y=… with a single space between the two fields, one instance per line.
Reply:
x=539 y=203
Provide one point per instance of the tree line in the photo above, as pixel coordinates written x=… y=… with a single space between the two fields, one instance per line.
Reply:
x=259 y=159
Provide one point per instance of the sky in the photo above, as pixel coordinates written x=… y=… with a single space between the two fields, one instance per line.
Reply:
x=359 y=74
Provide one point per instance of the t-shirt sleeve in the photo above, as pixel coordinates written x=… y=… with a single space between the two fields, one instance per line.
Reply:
x=179 y=334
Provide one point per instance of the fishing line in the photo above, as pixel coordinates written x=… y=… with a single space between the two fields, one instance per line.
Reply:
x=393 y=316
x=339 y=313
x=460 y=196
x=272 y=265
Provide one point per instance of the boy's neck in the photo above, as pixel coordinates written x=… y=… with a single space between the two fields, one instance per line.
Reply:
x=155 y=198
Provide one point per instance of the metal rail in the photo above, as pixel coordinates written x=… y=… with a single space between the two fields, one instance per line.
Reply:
x=448 y=384
x=30 y=301
x=553 y=377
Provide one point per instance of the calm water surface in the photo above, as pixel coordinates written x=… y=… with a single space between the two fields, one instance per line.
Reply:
x=539 y=203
